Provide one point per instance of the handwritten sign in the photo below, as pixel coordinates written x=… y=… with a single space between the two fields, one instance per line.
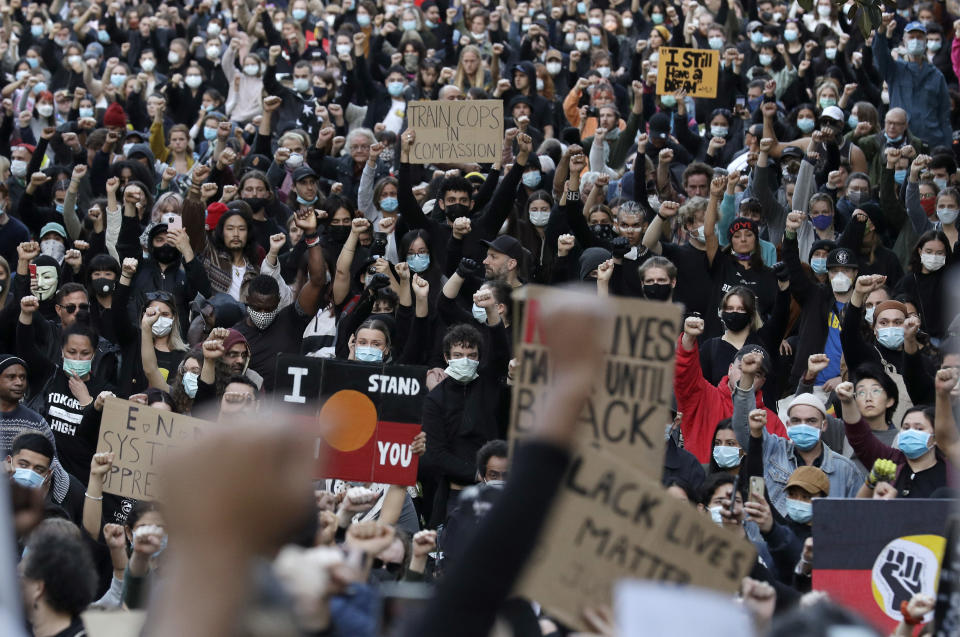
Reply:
x=140 y=438
x=631 y=401
x=456 y=131
x=693 y=70
x=610 y=523
x=365 y=416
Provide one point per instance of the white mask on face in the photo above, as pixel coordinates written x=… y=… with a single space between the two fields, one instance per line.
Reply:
x=933 y=262
x=163 y=326
x=18 y=168
x=840 y=283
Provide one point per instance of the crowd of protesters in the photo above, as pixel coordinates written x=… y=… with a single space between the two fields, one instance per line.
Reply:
x=189 y=189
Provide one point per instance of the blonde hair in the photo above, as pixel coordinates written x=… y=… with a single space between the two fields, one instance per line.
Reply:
x=461 y=78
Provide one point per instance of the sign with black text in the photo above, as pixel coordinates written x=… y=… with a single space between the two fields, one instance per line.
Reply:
x=140 y=438
x=456 y=131
x=365 y=415
x=695 y=71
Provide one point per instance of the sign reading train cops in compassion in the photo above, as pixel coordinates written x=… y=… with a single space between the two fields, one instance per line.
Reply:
x=365 y=416
x=140 y=437
x=456 y=131
x=631 y=400
x=692 y=70
x=611 y=522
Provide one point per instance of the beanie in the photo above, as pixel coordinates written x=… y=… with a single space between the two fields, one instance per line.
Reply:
x=214 y=212
x=115 y=116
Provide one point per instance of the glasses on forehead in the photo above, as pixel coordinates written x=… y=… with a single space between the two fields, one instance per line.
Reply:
x=159 y=295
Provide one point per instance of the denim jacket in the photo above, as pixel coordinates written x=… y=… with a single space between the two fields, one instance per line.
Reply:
x=779 y=459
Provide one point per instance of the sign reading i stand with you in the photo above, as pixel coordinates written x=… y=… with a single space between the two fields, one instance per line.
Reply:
x=456 y=131
x=613 y=519
x=140 y=437
x=365 y=416
x=695 y=71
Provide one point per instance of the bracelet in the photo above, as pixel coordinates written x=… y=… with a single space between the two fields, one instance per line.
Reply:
x=312 y=240
x=573 y=195
x=909 y=619
x=87 y=495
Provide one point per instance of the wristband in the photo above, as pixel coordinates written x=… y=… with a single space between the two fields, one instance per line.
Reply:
x=311 y=240
x=87 y=495
x=573 y=195
x=871 y=481
x=909 y=619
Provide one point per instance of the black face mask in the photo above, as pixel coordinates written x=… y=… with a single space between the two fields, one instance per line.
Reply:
x=338 y=234
x=166 y=254
x=455 y=211
x=603 y=231
x=256 y=203
x=657 y=291
x=735 y=321
x=102 y=286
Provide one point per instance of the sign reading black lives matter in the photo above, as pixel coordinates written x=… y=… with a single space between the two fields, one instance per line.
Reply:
x=613 y=519
x=456 y=131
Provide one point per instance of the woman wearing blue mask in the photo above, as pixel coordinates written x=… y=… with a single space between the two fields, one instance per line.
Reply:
x=61 y=390
x=924 y=280
x=416 y=250
x=726 y=454
x=530 y=227
x=886 y=346
x=930 y=208
x=921 y=469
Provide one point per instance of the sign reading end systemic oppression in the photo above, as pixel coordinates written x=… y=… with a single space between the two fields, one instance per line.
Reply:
x=694 y=70
x=456 y=131
x=140 y=438
x=365 y=416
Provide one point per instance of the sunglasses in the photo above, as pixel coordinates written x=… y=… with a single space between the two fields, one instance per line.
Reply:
x=73 y=307
x=159 y=295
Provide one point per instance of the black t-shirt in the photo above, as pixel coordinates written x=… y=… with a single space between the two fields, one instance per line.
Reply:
x=284 y=335
x=168 y=362
x=923 y=483
x=693 y=282
x=75 y=445
x=727 y=274
x=75 y=629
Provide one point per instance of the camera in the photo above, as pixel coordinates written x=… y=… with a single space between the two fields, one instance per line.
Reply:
x=379 y=246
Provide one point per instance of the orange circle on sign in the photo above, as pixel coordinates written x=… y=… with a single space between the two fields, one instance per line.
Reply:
x=352 y=417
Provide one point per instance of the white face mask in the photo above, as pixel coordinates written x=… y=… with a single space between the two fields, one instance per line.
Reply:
x=553 y=67
x=933 y=262
x=163 y=326
x=45 y=110
x=213 y=52
x=173 y=57
x=539 y=218
x=53 y=248
x=251 y=69
x=840 y=283
x=148 y=65
x=18 y=168
x=193 y=81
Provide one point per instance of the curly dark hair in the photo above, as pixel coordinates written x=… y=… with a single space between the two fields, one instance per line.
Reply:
x=63 y=563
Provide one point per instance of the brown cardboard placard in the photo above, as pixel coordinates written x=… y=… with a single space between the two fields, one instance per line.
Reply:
x=697 y=71
x=140 y=438
x=610 y=522
x=630 y=404
x=456 y=131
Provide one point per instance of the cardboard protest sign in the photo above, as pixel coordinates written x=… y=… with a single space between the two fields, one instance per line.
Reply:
x=611 y=522
x=694 y=70
x=630 y=404
x=140 y=437
x=647 y=608
x=456 y=131
x=896 y=551
x=366 y=416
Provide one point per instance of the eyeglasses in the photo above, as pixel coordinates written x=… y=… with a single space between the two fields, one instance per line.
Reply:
x=159 y=295
x=876 y=391
x=73 y=307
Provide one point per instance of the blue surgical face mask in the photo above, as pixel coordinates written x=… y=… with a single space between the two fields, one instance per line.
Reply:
x=799 y=511
x=668 y=101
x=117 y=79
x=389 y=204
x=395 y=88
x=86 y=111
x=39 y=87
x=700 y=235
x=581 y=8
x=827 y=101
x=369 y=354
x=853 y=120
x=756 y=37
x=80 y=368
x=462 y=370
x=913 y=443
x=59 y=208
x=409 y=25
x=190 y=384
x=103 y=36
x=479 y=313
x=791 y=35
x=805 y=124
x=900 y=175
x=765 y=59
x=28 y=478
x=715 y=43
x=916 y=46
x=726 y=457
x=893 y=140
x=890 y=337
x=209 y=133
x=418 y=262
x=595 y=40
x=531 y=179
x=306 y=202
x=719 y=131
x=299 y=14
x=819 y=264
x=804 y=437
x=36 y=30
x=363 y=19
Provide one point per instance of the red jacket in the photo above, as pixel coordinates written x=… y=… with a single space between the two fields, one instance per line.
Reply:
x=704 y=405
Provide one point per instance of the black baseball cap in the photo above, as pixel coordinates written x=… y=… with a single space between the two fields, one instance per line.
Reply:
x=303 y=172
x=507 y=245
x=842 y=258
